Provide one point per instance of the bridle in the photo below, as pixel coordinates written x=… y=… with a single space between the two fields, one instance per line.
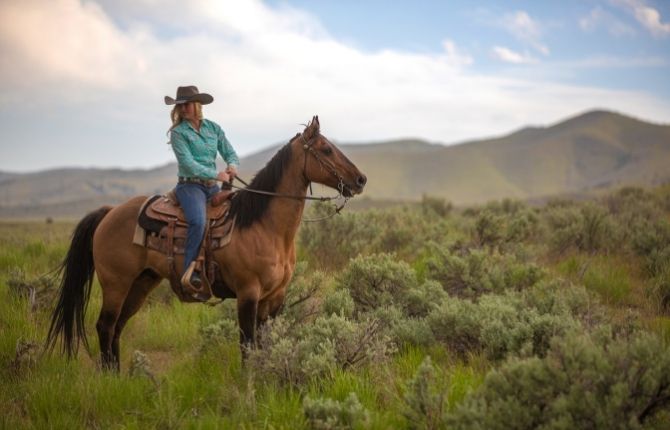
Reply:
x=307 y=146
x=328 y=166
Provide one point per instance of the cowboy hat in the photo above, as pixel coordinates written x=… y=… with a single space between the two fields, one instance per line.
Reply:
x=189 y=94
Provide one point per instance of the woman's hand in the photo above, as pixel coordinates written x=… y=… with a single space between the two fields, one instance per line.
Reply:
x=232 y=171
x=223 y=177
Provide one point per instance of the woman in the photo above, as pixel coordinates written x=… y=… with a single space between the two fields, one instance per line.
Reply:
x=195 y=142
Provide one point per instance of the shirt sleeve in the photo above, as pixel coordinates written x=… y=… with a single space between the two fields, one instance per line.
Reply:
x=186 y=160
x=226 y=149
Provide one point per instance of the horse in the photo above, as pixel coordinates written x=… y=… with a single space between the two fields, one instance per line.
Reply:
x=256 y=265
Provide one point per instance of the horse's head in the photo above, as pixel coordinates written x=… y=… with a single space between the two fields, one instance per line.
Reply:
x=326 y=164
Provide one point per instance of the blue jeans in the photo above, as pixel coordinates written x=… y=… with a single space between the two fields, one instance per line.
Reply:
x=193 y=201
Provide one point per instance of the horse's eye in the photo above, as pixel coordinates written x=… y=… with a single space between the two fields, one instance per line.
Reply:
x=327 y=150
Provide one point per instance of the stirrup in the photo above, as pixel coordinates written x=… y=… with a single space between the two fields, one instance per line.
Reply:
x=186 y=281
x=201 y=294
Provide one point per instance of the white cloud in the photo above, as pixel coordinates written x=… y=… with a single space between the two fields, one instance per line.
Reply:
x=647 y=16
x=100 y=73
x=526 y=29
x=599 y=17
x=44 y=42
x=454 y=56
x=508 y=56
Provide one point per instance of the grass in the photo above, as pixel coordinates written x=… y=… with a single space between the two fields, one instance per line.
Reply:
x=194 y=386
x=198 y=382
x=611 y=278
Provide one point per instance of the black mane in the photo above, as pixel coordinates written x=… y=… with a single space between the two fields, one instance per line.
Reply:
x=249 y=207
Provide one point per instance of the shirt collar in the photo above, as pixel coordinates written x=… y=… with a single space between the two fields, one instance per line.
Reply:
x=189 y=126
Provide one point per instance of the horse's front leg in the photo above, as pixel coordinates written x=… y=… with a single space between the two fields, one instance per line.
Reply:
x=247 y=314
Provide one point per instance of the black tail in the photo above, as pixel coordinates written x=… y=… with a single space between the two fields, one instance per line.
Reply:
x=77 y=272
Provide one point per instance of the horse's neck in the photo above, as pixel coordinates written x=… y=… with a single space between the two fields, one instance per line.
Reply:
x=284 y=214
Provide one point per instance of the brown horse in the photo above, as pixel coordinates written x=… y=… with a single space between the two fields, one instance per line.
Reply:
x=256 y=266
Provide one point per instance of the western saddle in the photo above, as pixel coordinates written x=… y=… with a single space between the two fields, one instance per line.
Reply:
x=161 y=226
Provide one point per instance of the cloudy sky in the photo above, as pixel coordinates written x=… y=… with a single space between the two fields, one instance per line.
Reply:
x=83 y=81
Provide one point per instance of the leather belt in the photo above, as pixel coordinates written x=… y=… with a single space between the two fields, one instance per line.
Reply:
x=205 y=182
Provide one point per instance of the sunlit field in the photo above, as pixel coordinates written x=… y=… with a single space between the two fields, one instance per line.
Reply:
x=411 y=316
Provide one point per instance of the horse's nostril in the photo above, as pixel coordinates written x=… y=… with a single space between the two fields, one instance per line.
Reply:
x=361 y=180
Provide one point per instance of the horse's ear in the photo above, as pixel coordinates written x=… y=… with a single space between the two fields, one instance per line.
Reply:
x=312 y=128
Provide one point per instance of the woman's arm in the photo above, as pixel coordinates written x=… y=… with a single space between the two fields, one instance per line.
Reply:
x=227 y=151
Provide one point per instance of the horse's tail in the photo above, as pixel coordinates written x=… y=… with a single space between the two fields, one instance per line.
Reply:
x=77 y=271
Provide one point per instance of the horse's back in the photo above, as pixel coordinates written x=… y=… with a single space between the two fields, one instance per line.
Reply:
x=113 y=239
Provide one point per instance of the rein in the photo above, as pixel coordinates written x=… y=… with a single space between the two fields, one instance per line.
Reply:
x=287 y=196
x=340 y=185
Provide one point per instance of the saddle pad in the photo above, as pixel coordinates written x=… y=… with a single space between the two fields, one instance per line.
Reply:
x=146 y=222
x=164 y=209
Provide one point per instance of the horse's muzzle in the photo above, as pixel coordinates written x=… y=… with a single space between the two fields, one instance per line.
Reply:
x=357 y=188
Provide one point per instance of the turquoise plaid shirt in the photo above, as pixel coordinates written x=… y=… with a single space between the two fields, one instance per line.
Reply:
x=196 y=151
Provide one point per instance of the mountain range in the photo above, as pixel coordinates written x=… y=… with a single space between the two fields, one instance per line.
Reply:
x=591 y=152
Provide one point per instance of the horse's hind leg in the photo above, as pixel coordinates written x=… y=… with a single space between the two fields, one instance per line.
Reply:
x=114 y=292
x=142 y=286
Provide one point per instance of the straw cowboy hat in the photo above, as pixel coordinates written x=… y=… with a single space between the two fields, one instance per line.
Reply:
x=189 y=94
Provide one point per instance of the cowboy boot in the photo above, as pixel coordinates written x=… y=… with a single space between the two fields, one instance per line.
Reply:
x=192 y=283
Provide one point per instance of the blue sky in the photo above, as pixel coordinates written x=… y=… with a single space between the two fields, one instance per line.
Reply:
x=83 y=81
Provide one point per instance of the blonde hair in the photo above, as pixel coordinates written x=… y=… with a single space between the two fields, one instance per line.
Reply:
x=175 y=115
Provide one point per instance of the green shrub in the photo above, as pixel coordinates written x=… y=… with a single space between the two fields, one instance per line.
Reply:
x=329 y=414
x=498 y=325
x=424 y=403
x=297 y=353
x=333 y=243
x=140 y=366
x=219 y=332
x=377 y=280
x=503 y=223
x=522 y=227
x=301 y=301
x=561 y=298
x=405 y=230
x=435 y=206
x=595 y=229
x=583 y=382
x=456 y=323
x=586 y=228
x=488 y=229
x=402 y=328
x=401 y=230
x=420 y=300
x=338 y=302
x=477 y=272
x=660 y=290
x=630 y=203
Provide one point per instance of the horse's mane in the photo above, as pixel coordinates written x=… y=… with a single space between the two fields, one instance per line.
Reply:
x=249 y=207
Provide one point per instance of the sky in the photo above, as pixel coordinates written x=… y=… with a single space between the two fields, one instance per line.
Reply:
x=82 y=81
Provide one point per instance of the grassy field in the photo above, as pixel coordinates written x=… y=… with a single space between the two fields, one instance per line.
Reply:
x=417 y=316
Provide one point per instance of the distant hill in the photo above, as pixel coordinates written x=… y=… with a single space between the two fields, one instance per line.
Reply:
x=594 y=151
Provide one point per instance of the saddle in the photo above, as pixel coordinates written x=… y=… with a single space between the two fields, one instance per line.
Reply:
x=161 y=226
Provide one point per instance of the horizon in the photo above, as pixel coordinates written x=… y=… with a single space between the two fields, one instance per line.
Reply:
x=362 y=143
x=373 y=72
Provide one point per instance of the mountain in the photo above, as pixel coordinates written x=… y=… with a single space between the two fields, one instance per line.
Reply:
x=593 y=151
